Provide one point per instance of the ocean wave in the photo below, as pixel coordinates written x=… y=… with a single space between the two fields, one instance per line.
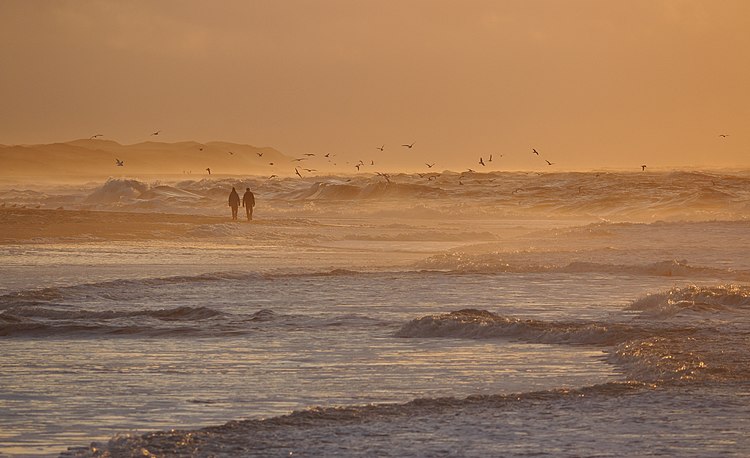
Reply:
x=632 y=348
x=260 y=436
x=677 y=196
x=174 y=314
x=653 y=347
x=165 y=323
x=116 y=190
x=458 y=261
x=111 y=289
x=481 y=324
x=41 y=321
x=370 y=190
x=701 y=299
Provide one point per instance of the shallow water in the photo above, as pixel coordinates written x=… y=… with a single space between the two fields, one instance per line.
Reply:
x=388 y=336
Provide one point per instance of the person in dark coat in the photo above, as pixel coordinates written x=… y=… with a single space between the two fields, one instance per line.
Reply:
x=248 y=201
x=234 y=202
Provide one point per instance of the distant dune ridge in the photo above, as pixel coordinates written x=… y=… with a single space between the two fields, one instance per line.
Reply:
x=94 y=158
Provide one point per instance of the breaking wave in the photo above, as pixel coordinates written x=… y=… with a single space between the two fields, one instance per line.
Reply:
x=695 y=299
x=652 y=348
x=376 y=190
x=676 y=196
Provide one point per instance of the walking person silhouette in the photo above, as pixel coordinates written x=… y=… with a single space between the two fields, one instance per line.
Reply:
x=234 y=202
x=248 y=201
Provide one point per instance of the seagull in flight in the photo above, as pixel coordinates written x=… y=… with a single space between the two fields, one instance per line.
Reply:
x=208 y=169
x=358 y=166
x=259 y=154
x=383 y=146
x=309 y=154
x=119 y=163
x=156 y=133
x=299 y=159
x=643 y=167
x=231 y=153
x=490 y=159
x=272 y=176
x=328 y=155
x=481 y=161
x=96 y=136
x=429 y=166
x=724 y=135
x=535 y=151
x=409 y=146
x=297 y=172
x=548 y=162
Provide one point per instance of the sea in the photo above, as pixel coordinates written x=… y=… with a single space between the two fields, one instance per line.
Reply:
x=404 y=315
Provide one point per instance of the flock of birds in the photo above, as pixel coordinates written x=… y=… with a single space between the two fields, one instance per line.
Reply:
x=360 y=164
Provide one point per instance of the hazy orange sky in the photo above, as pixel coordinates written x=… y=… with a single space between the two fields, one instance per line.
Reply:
x=589 y=83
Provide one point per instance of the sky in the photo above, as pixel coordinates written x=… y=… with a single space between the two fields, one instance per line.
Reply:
x=590 y=84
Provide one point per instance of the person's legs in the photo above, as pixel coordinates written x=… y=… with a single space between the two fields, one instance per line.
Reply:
x=249 y=211
x=234 y=213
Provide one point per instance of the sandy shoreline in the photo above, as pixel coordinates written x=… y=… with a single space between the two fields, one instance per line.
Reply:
x=23 y=225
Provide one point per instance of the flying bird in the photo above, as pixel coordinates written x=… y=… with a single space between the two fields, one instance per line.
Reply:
x=490 y=159
x=297 y=172
x=208 y=169
x=156 y=133
x=96 y=136
x=327 y=155
x=272 y=176
x=643 y=167
x=429 y=166
x=535 y=151
x=372 y=162
x=724 y=135
x=309 y=170
x=409 y=146
x=481 y=161
x=358 y=166
x=259 y=154
x=471 y=170
x=309 y=154
x=231 y=153
x=119 y=163
x=299 y=159
x=381 y=147
x=548 y=162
